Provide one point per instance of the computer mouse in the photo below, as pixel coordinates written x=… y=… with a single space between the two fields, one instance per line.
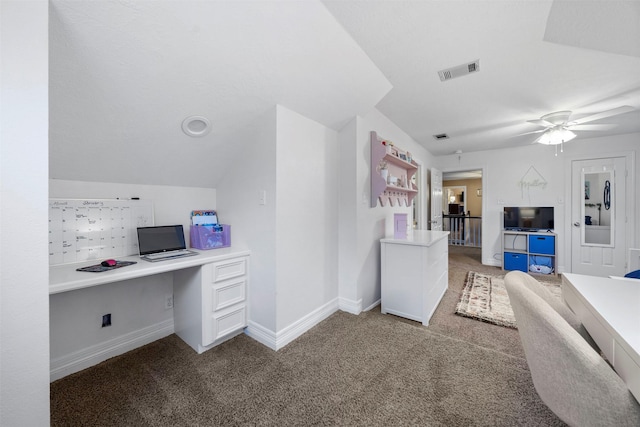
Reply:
x=109 y=263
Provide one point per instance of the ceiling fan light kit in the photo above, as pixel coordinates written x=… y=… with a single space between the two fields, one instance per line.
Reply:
x=556 y=135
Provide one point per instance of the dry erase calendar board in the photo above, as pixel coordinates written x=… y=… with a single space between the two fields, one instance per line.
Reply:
x=95 y=229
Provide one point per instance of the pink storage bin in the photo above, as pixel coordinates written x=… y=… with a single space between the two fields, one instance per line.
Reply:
x=207 y=237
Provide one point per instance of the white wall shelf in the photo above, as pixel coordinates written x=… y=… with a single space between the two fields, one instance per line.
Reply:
x=397 y=187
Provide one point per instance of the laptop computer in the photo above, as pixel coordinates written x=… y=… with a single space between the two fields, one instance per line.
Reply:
x=162 y=242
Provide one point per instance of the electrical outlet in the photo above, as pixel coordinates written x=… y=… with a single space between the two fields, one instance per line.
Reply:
x=106 y=320
x=168 y=301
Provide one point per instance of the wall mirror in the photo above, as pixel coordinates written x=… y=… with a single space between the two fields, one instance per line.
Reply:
x=598 y=205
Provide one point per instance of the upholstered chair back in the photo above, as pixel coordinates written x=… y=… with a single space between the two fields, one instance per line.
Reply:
x=556 y=303
x=570 y=377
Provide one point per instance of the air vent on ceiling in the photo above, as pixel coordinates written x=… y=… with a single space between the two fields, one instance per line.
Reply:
x=460 y=70
x=441 y=136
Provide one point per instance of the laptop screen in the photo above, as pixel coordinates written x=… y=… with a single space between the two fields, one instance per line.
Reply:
x=153 y=240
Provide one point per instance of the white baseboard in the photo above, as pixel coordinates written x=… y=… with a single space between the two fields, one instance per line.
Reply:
x=90 y=356
x=261 y=334
x=492 y=262
x=374 y=305
x=276 y=341
x=350 y=306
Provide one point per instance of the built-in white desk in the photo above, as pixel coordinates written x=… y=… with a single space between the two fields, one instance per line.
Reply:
x=209 y=290
x=610 y=311
x=63 y=278
x=414 y=274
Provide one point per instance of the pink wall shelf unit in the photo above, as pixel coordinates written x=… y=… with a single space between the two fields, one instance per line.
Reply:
x=393 y=186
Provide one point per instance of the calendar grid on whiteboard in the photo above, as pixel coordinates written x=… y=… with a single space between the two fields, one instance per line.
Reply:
x=95 y=229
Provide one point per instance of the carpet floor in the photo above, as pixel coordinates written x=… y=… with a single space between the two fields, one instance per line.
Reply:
x=485 y=298
x=371 y=369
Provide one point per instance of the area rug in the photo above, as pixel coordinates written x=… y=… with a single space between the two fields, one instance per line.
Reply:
x=485 y=298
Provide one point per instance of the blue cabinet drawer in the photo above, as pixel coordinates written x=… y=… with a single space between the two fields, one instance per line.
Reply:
x=542 y=244
x=516 y=261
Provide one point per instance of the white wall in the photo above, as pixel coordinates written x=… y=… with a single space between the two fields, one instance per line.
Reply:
x=24 y=274
x=137 y=307
x=362 y=271
x=171 y=204
x=293 y=236
x=504 y=170
x=307 y=217
x=349 y=197
x=253 y=225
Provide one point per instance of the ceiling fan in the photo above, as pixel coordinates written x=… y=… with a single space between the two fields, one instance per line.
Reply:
x=558 y=128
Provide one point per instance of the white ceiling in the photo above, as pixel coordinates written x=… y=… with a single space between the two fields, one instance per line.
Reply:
x=124 y=74
x=527 y=68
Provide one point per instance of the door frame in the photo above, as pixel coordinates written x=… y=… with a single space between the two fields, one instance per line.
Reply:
x=487 y=253
x=564 y=242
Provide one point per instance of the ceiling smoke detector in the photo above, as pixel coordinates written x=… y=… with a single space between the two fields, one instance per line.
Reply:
x=440 y=136
x=460 y=70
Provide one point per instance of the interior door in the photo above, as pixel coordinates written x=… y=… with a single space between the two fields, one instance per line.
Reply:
x=598 y=212
x=436 y=200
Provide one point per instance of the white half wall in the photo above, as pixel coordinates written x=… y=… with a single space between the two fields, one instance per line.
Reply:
x=24 y=170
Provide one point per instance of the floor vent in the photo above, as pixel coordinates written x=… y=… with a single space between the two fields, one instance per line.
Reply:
x=460 y=70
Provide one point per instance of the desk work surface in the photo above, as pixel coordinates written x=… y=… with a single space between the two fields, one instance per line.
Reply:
x=615 y=301
x=64 y=278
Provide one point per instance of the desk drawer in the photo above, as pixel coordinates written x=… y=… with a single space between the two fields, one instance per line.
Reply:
x=228 y=293
x=229 y=269
x=627 y=368
x=224 y=323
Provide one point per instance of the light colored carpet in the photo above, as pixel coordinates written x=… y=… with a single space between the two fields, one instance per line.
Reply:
x=365 y=370
x=485 y=298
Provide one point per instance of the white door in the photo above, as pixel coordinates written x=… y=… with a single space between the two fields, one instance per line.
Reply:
x=436 y=200
x=598 y=212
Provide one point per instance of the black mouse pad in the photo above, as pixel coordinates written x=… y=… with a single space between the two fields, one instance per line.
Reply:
x=99 y=268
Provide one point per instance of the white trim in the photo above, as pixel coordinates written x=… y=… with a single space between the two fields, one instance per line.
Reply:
x=276 y=341
x=90 y=356
x=350 y=306
x=374 y=305
x=261 y=334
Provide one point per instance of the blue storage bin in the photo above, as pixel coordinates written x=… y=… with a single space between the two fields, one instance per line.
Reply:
x=542 y=244
x=516 y=261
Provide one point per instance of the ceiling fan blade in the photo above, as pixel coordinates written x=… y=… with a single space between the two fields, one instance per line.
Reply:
x=540 y=122
x=602 y=115
x=529 y=133
x=591 y=127
x=557 y=118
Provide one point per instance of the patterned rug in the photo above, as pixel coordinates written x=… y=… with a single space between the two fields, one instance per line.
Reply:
x=485 y=298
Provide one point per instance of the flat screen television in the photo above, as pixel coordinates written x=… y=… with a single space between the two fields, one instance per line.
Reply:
x=528 y=218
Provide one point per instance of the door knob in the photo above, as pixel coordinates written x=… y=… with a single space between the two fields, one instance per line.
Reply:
x=576 y=224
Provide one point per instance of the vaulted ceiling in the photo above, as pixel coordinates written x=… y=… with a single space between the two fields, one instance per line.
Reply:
x=125 y=74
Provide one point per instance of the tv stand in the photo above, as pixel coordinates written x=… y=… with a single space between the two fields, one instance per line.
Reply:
x=529 y=251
